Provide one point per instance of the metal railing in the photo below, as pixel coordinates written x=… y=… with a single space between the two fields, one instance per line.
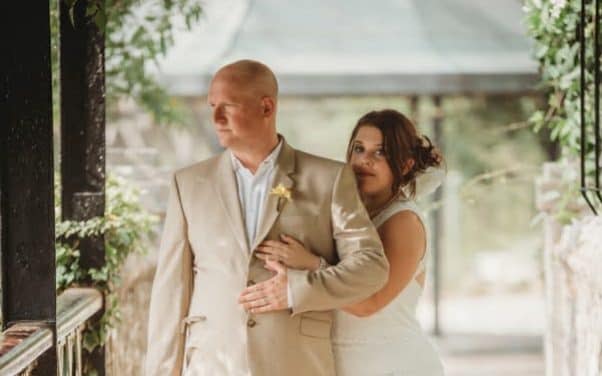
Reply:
x=23 y=343
x=587 y=191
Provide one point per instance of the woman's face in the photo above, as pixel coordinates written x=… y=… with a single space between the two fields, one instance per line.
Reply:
x=369 y=162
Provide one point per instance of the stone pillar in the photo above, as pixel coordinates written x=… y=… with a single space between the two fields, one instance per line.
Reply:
x=573 y=278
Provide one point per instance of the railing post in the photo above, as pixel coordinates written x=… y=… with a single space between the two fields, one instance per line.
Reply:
x=83 y=131
x=27 y=249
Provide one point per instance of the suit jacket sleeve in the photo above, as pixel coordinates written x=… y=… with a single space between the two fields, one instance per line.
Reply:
x=363 y=268
x=170 y=296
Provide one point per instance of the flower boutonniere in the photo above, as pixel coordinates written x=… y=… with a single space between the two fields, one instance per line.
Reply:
x=283 y=193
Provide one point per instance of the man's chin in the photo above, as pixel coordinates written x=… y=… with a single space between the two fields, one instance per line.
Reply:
x=225 y=142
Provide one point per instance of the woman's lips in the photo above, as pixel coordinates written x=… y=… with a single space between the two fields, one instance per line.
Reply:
x=362 y=175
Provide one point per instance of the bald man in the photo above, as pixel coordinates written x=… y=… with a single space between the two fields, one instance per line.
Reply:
x=218 y=309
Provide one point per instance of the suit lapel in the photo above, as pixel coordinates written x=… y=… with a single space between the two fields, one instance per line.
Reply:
x=285 y=169
x=227 y=191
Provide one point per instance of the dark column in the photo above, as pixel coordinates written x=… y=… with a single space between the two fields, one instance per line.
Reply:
x=27 y=250
x=415 y=110
x=83 y=131
x=437 y=233
x=82 y=110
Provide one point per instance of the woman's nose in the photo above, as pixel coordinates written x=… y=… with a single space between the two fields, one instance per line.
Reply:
x=366 y=159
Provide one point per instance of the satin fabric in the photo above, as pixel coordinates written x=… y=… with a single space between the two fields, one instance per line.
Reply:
x=197 y=327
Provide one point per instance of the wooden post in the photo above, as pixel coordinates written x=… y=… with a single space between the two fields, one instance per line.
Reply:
x=27 y=249
x=83 y=132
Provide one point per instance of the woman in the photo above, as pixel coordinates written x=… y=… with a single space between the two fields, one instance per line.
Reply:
x=381 y=335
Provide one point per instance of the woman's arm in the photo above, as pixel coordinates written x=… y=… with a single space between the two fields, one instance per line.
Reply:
x=404 y=241
x=290 y=252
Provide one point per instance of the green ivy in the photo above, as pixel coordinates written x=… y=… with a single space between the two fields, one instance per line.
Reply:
x=553 y=26
x=137 y=33
x=554 y=30
x=126 y=227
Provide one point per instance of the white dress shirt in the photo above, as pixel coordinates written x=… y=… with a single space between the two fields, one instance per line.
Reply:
x=252 y=191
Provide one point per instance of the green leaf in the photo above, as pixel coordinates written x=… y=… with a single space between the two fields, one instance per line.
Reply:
x=100 y=19
x=91 y=9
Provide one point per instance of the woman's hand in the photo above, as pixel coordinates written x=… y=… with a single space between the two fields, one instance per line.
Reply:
x=290 y=252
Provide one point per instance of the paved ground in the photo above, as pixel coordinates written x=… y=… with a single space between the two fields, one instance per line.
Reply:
x=491 y=355
x=491 y=334
x=495 y=365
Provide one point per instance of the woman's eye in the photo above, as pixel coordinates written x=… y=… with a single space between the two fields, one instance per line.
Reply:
x=357 y=149
x=380 y=153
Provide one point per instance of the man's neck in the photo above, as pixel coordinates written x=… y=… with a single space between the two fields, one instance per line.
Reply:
x=251 y=159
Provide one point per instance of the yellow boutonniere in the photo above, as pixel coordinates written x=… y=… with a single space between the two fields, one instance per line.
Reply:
x=283 y=193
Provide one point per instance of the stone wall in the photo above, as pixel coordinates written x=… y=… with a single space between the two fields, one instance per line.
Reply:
x=573 y=276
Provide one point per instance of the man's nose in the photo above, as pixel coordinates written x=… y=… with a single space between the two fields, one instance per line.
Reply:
x=218 y=115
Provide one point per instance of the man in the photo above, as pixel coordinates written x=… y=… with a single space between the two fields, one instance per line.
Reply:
x=203 y=320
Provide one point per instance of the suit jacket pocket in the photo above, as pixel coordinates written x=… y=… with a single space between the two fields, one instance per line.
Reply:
x=191 y=326
x=316 y=328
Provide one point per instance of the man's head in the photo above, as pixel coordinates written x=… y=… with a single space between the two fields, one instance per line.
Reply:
x=243 y=98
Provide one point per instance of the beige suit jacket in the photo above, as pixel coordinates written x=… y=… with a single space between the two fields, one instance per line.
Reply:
x=197 y=327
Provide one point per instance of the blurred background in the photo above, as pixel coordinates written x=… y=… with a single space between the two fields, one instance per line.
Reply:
x=462 y=70
x=507 y=89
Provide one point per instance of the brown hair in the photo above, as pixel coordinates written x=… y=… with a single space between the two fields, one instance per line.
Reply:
x=401 y=143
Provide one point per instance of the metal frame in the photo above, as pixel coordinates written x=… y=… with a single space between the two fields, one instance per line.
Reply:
x=585 y=189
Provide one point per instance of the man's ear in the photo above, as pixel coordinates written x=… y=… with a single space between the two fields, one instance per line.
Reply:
x=269 y=106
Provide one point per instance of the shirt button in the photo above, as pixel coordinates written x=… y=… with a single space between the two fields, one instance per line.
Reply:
x=251 y=323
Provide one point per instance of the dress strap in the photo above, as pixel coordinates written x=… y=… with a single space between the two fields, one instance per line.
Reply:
x=396 y=207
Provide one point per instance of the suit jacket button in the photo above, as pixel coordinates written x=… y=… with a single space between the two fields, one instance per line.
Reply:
x=250 y=283
x=251 y=323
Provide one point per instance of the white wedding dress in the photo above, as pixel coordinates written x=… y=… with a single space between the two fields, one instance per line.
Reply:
x=391 y=341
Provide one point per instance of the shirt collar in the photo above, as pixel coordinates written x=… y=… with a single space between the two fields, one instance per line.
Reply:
x=270 y=160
